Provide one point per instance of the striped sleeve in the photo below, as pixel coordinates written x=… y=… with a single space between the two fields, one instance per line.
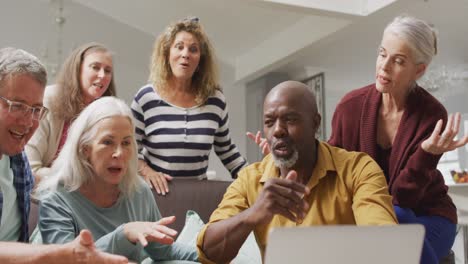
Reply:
x=223 y=146
x=139 y=120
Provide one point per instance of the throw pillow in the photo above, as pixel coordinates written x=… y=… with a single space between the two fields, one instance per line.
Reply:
x=249 y=253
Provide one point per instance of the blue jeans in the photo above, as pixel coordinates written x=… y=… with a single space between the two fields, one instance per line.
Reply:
x=440 y=233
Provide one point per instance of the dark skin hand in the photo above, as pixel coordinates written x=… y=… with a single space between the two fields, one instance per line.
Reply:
x=283 y=196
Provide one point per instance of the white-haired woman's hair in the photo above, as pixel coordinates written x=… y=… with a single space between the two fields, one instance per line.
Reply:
x=419 y=35
x=72 y=169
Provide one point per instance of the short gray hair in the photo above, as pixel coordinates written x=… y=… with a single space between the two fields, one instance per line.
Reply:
x=71 y=168
x=420 y=36
x=17 y=61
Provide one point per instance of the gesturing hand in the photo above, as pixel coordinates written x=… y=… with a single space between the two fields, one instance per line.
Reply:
x=151 y=231
x=281 y=196
x=261 y=142
x=439 y=143
x=84 y=251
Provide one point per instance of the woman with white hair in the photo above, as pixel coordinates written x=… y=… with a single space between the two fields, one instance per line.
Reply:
x=94 y=185
x=401 y=126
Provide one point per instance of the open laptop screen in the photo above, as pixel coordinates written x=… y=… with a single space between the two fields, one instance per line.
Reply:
x=346 y=244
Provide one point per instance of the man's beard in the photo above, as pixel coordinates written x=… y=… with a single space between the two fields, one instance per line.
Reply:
x=288 y=162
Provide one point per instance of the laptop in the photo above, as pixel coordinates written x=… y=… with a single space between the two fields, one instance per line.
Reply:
x=346 y=244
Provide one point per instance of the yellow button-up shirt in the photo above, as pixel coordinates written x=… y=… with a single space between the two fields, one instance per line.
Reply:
x=347 y=188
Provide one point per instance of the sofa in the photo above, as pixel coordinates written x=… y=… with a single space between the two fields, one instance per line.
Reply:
x=201 y=196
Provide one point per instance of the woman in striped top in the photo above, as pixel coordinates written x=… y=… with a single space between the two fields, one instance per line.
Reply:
x=182 y=113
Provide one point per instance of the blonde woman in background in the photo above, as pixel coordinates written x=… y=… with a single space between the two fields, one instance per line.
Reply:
x=87 y=74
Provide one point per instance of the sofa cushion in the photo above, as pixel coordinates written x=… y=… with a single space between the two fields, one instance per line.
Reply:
x=249 y=253
x=193 y=225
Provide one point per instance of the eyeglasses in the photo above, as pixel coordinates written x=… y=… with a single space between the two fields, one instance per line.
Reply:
x=18 y=109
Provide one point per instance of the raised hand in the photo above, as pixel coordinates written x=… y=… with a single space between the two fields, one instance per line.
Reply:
x=280 y=196
x=438 y=142
x=261 y=142
x=145 y=232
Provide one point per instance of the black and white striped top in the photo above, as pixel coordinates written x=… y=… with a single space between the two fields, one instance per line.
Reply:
x=177 y=141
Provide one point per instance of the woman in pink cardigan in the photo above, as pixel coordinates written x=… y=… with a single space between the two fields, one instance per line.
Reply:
x=401 y=125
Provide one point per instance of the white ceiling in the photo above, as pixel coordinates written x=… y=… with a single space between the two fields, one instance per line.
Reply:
x=353 y=7
x=250 y=35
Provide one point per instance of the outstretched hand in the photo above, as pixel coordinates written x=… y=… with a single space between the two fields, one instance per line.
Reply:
x=145 y=232
x=84 y=251
x=261 y=142
x=438 y=142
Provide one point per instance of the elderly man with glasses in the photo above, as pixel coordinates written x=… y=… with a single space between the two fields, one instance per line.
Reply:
x=22 y=84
